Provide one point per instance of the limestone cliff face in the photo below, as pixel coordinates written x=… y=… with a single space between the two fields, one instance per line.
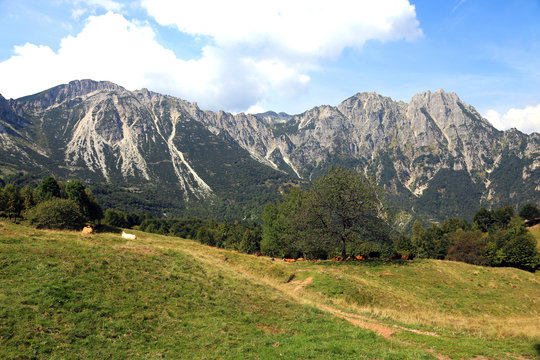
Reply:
x=101 y=131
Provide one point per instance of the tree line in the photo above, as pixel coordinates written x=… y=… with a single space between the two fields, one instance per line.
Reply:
x=342 y=213
x=495 y=238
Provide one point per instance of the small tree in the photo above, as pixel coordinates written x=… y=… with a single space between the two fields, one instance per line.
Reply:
x=48 y=189
x=250 y=242
x=283 y=225
x=13 y=201
x=27 y=197
x=116 y=218
x=483 y=219
x=502 y=216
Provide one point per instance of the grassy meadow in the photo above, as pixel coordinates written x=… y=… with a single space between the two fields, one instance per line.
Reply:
x=535 y=230
x=67 y=296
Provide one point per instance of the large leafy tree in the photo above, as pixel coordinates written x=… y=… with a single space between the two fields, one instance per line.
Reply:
x=345 y=209
x=340 y=211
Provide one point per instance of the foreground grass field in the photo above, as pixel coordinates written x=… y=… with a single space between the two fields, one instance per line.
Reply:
x=63 y=296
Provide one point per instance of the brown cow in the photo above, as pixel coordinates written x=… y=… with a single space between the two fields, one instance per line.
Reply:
x=300 y=259
x=87 y=230
x=289 y=260
x=258 y=253
x=360 y=257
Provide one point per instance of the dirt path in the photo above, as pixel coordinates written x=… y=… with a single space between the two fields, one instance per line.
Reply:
x=307 y=281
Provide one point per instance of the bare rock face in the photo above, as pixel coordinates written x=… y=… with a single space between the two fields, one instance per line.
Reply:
x=433 y=149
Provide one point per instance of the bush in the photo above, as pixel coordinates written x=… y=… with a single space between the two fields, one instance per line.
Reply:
x=468 y=246
x=529 y=212
x=56 y=214
x=521 y=253
x=115 y=218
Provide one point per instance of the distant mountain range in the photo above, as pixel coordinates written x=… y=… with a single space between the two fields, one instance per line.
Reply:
x=436 y=156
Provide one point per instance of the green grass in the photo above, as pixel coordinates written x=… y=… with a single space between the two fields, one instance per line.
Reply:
x=535 y=230
x=64 y=296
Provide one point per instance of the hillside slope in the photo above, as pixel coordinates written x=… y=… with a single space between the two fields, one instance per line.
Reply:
x=100 y=296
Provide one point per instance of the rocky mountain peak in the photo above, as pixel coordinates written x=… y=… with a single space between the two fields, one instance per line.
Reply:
x=272 y=117
x=68 y=91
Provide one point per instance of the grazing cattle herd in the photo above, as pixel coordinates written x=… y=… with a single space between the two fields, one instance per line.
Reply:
x=356 y=258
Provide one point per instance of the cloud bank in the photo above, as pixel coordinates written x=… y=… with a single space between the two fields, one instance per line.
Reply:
x=312 y=28
x=255 y=49
x=527 y=120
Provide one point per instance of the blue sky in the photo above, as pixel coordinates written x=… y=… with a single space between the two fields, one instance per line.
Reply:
x=285 y=56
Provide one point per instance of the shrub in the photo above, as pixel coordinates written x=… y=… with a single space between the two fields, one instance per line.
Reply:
x=56 y=214
x=115 y=218
x=469 y=247
x=529 y=212
x=521 y=252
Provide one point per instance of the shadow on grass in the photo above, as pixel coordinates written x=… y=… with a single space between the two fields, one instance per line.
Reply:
x=537 y=348
x=103 y=228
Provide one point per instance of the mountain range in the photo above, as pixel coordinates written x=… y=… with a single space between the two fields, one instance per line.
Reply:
x=436 y=157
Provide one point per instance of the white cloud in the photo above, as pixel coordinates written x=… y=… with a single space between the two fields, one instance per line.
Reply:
x=255 y=109
x=318 y=28
x=257 y=50
x=526 y=120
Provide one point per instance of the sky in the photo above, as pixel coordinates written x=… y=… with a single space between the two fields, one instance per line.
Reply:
x=282 y=55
